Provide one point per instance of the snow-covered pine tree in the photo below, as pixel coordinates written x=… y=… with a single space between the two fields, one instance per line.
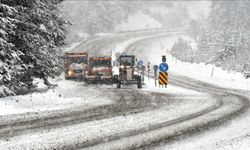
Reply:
x=11 y=66
x=39 y=32
x=31 y=31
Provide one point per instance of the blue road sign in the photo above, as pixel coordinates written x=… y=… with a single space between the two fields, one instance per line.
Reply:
x=140 y=62
x=155 y=67
x=155 y=70
x=163 y=67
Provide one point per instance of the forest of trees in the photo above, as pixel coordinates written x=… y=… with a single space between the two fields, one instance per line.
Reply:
x=227 y=37
x=224 y=37
x=30 y=32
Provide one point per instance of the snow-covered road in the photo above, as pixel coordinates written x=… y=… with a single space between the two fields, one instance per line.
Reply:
x=232 y=135
x=131 y=118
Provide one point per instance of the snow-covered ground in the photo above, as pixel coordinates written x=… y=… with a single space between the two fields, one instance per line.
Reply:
x=68 y=94
x=171 y=89
x=232 y=136
x=105 y=129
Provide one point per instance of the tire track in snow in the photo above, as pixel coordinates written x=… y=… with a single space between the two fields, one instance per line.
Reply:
x=15 y=125
x=154 y=127
x=151 y=138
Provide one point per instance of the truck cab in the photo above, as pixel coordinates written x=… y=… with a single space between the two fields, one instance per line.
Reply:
x=99 y=70
x=75 y=64
x=127 y=75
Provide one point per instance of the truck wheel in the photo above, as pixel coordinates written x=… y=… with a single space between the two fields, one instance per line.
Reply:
x=87 y=81
x=118 y=86
x=139 y=85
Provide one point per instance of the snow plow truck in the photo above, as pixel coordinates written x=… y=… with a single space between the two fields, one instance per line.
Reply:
x=75 y=64
x=99 y=70
x=127 y=72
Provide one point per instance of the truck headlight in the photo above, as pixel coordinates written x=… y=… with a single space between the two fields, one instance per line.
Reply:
x=86 y=72
x=121 y=66
x=70 y=73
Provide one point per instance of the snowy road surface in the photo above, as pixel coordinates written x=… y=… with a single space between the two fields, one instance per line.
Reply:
x=233 y=135
x=75 y=115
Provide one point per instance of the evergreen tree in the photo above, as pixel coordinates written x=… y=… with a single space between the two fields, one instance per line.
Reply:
x=32 y=33
x=11 y=66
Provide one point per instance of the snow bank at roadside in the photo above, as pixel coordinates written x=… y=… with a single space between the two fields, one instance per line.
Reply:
x=68 y=94
x=210 y=74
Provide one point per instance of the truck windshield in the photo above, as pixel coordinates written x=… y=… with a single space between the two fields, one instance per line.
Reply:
x=77 y=60
x=126 y=61
x=100 y=63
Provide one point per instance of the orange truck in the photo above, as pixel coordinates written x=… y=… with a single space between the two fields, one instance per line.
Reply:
x=75 y=64
x=99 y=70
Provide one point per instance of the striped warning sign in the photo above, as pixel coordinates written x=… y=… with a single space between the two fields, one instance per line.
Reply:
x=163 y=78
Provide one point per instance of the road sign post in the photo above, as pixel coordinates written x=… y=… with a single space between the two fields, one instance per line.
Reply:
x=143 y=71
x=139 y=65
x=148 y=69
x=163 y=79
x=155 y=73
x=163 y=75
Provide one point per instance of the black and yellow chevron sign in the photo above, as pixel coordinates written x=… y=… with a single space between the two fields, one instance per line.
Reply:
x=163 y=78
